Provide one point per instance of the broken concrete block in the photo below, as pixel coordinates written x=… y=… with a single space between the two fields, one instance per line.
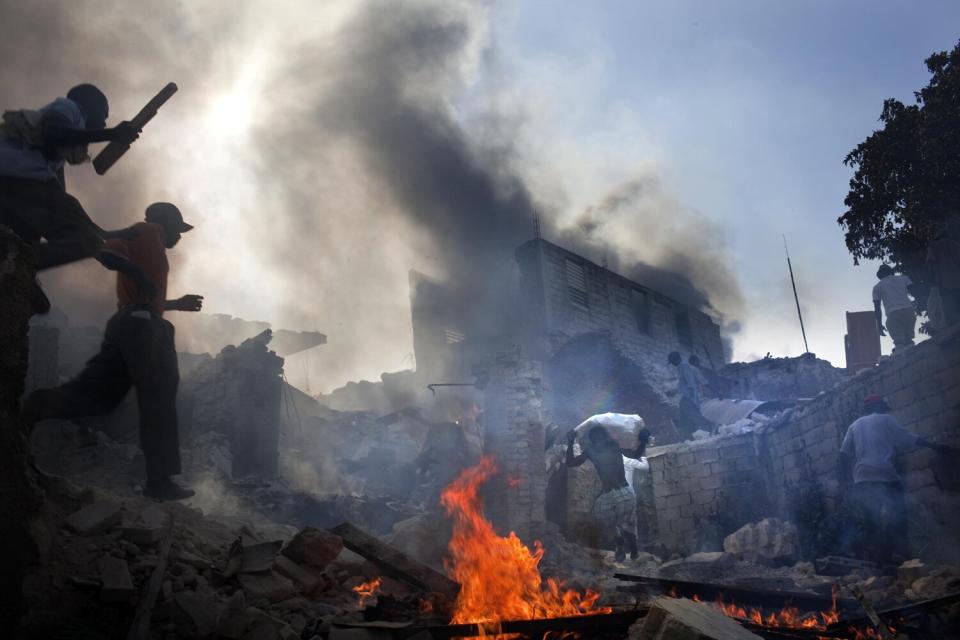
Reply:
x=197 y=562
x=769 y=541
x=147 y=528
x=682 y=619
x=258 y=558
x=199 y=611
x=117 y=585
x=95 y=518
x=309 y=579
x=266 y=586
x=912 y=570
x=314 y=547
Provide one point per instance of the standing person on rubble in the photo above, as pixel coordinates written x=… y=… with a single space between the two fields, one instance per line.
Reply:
x=871 y=446
x=891 y=290
x=34 y=146
x=688 y=386
x=616 y=506
x=138 y=350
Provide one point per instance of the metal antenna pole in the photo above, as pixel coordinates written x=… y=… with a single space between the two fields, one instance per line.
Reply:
x=795 y=297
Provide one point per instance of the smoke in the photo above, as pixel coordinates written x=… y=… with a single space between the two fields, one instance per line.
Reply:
x=319 y=151
x=643 y=231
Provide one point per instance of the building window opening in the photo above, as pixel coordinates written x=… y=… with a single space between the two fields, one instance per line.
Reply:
x=641 y=310
x=577 y=284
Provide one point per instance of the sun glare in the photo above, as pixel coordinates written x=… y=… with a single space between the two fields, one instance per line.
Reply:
x=230 y=113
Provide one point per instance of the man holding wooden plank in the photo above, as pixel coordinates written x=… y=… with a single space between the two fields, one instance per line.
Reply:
x=34 y=146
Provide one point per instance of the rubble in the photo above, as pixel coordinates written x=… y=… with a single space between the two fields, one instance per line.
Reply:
x=268 y=586
x=706 y=565
x=116 y=583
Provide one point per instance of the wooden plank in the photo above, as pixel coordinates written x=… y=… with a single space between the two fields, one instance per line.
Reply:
x=395 y=563
x=595 y=625
x=140 y=628
x=739 y=595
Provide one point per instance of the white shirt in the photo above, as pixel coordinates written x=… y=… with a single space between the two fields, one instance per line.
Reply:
x=18 y=160
x=892 y=290
x=874 y=441
x=632 y=464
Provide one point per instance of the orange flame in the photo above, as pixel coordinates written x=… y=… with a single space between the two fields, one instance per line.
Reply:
x=499 y=576
x=367 y=590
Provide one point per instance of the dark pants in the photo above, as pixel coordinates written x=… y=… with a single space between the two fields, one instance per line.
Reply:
x=37 y=209
x=882 y=514
x=138 y=352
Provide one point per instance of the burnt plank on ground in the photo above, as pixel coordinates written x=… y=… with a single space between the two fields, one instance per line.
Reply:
x=394 y=563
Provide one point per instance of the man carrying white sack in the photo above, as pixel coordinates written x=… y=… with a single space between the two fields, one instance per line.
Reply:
x=616 y=506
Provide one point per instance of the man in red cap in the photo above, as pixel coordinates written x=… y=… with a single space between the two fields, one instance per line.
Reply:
x=137 y=350
x=871 y=446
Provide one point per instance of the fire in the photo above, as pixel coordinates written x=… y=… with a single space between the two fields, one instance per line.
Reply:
x=500 y=576
x=367 y=590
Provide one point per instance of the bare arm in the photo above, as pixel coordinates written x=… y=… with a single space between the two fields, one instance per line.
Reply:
x=58 y=132
x=189 y=302
x=878 y=314
x=572 y=460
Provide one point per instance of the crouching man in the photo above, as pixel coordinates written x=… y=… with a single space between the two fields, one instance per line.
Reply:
x=138 y=350
x=616 y=506
x=871 y=446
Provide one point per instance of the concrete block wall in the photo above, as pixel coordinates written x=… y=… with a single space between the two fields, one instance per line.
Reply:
x=798 y=456
x=513 y=432
x=705 y=489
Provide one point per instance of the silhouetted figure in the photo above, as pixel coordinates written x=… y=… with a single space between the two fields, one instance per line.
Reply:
x=871 y=446
x=616 y=506
x=138 y=350
x=688 y=386
x=34 y=146
x=901 y=318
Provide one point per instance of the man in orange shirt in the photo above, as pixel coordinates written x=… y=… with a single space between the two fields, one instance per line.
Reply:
x=137 y=350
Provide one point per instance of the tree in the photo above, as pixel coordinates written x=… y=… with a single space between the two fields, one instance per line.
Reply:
x=907 y=178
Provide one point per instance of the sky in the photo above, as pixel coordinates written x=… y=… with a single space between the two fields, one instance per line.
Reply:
x=325 y=149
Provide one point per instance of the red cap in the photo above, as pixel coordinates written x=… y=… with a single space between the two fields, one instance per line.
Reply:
x=872 y=399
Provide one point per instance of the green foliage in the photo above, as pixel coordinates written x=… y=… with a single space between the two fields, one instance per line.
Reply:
x=907 y=178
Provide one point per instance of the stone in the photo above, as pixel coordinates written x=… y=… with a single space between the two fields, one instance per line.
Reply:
x=147 y=528
x=192 y=559
x=314 y=547
x=200 y=611
x=308 y=578
x=934 y=586
x=117 y=585
x=912 y=570
x=266 y=586
x=95 y=518
x=258 y=558
x=233 y=621
x=682 y=619
x=770 y=541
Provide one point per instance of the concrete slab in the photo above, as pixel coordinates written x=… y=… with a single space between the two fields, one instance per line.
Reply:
x=95 y=518
x=116 y=583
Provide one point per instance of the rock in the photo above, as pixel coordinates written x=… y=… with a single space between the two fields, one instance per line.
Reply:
x=704 y=566
x=117 y=585
x=258 y=558
x=770 y=541
x=682 y=619
x=193 y=560
x=314 y=547
x=912 y=570
x=233 y=620
x=147 y=528
x=266 y=586
x=805 y=568
x=309 y=579
x=95 y=518
x=933 y=586
x=199 y=611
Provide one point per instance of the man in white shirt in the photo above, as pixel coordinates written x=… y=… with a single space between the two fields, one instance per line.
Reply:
x=871 y=446
x=901 y=318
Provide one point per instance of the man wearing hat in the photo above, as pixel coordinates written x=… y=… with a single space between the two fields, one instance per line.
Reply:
x=871 y=446
x=137 y=350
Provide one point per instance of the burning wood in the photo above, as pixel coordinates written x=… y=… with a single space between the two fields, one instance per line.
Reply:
x=366 y=591
x=499 y=576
